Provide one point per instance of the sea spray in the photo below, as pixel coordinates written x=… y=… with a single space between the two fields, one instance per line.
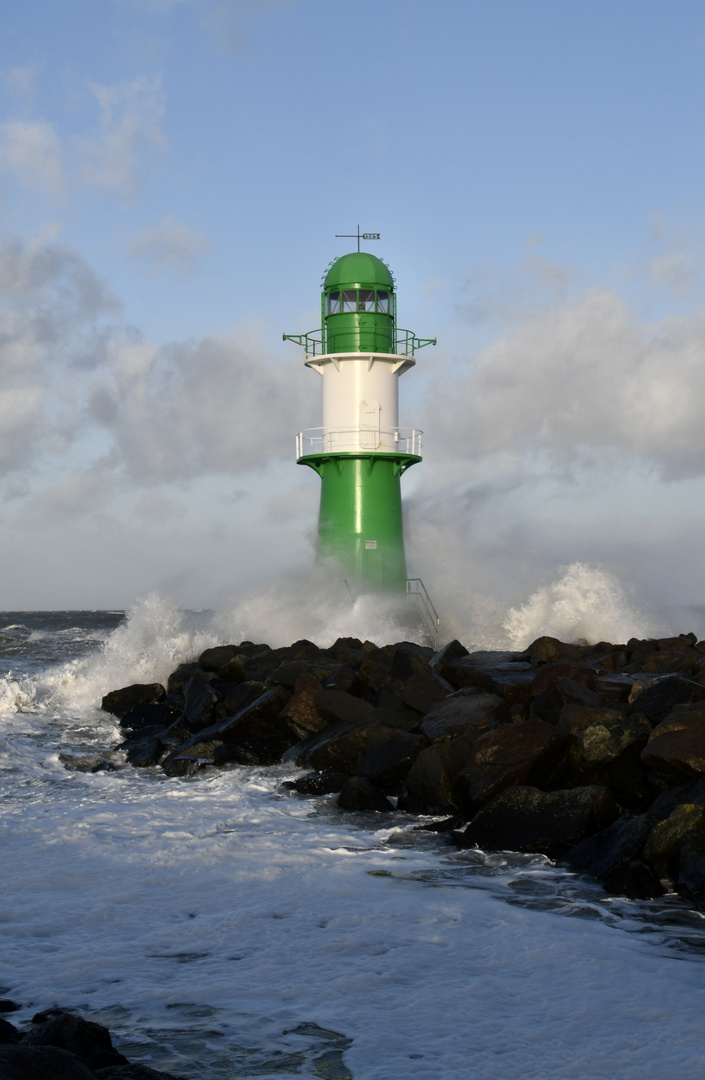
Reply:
x=586 y=603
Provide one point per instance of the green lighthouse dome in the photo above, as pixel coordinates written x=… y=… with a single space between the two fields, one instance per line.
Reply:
x=358 y=269
x=358 y=305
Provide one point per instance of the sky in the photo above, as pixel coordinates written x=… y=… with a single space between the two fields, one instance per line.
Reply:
x=173 y=174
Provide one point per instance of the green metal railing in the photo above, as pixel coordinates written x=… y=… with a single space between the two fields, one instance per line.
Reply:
x=314 y=342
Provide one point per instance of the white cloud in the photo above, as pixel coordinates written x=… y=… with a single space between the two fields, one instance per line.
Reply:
x=169 y=245
x=32 y=150
x=583 y=383
x=130 y=121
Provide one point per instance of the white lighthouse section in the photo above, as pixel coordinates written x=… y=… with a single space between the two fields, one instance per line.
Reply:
x=360 y=406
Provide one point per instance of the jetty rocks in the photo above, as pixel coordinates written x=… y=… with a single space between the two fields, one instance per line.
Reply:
x=63 y=1046
x=591 y=755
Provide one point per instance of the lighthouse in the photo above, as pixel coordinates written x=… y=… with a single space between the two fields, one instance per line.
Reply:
x=360 y=452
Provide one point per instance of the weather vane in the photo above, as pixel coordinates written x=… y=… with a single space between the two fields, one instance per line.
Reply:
x=360 y=236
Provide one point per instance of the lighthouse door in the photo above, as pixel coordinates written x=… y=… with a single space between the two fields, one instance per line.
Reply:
x=369 y=425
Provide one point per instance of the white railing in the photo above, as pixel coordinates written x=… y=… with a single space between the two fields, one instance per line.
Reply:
x=381 y=440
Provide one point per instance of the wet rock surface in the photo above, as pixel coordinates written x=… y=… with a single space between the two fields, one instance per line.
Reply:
x=593 y=754
x=63 y=1046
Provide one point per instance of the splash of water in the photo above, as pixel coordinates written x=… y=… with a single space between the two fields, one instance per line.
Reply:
x=586 y=603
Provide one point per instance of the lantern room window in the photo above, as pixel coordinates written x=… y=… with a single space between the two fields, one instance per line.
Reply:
x=383 y=302
x=367 y=299
x=333 y=303
x=349 y=300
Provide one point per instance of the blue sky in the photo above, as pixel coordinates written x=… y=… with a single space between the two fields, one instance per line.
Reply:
x=172 y=177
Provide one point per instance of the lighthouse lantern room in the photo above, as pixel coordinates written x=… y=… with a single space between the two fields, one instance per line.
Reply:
x=360 y=452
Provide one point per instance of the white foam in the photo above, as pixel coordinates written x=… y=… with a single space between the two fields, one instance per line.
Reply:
x=585 y=603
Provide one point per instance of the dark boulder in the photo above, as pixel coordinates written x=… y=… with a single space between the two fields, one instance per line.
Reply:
x=133 y=1072
x=550 y=822
x=526 y=753
x=155 y=715
x=325 y=783
x=335 y=705
x=547 y=649
x=221 y=656
x=20 y=1062
x=608 y=752
x=691 y=869
x=676 y=748
x=90 y=1042
x=414 y=683
x=361 y=794
x=662 y=846
x=469 y=706
x=614 y=857
x=562 y=691
x=8 y=1033
x=145 y=748
x=387 y=756
x=429 y=787
x=301 y=706
x=121 y=702
x=655 y=702
x=498 y=673
x=452 y=651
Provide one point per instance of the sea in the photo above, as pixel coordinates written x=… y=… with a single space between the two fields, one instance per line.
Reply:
x=224 y=926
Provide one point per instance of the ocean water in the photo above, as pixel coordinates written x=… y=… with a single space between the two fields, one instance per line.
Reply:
x=223 y=926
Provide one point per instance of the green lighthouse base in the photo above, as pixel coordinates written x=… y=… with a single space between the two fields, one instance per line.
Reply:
x=360 y=534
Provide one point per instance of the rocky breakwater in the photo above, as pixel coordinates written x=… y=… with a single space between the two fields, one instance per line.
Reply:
x=593 y=755
x=59 y=1045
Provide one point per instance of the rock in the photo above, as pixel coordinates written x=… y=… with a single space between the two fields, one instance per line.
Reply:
x=22 y=1062
x=498 y=673
x=301 y=706
x=414 y=683
x=656 y=701
x=90 y=1042
x=691 y=871
x=663 y=843
x=618 y=688
x=562 y=691
x=429 y=787
x=200 y=700
x=179 y=678
x=233 y=699
x=8 y=1033
x=260 y=718
x=525 y=753
x=386 y=757
x=360 y=794
x=121 y=702
x=254 y=749
x=452 y=651
x=145 y=748
x=344 y=678
x=8 y=1006
x=546 y=649
x=450 y=717
x=580 y=671
x=347 y=650
x=91 y=764
x=335 y=705
x=608 y=752
x=614 y=855
x=324 y=783
x=152 y=715
x=221 y=656
x=134 y=1072
x=550 y=822
x=676 y=748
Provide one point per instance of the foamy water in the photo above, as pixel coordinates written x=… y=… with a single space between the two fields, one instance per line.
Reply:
x=222 y=925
